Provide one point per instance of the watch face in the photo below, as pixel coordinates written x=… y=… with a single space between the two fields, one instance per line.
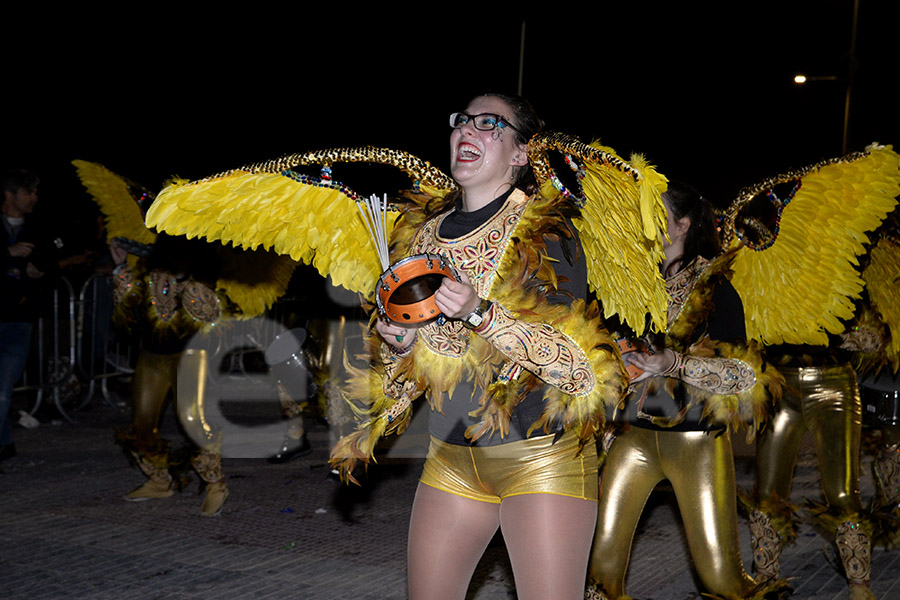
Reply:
x=474 y=319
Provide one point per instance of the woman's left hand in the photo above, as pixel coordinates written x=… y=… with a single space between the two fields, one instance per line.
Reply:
x=651 y=364
x=456 y=299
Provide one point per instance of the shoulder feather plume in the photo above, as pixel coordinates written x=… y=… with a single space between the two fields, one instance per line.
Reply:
x=621 y=224
x=799 y=279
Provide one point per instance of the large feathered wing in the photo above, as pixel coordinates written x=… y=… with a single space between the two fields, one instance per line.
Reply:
x=252 y=281
x=882 y=277
x=118 y=199
x=621 y=224
x=796 y=270
x=314 y=220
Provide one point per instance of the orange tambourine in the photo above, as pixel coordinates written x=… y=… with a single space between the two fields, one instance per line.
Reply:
x=627 y=345
x=405 y=292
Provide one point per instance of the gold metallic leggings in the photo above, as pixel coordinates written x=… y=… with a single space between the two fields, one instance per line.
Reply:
x=700 y=468
x=825 y=401
x=184 y=374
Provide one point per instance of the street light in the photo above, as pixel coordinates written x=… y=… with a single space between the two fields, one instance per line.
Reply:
x=801 y=79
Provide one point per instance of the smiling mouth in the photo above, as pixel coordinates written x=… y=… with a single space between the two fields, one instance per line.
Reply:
x=467 y=153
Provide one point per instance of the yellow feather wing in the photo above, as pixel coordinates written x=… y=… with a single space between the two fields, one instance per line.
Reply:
x=254 y=279
x=801 y=286
x=621 y=226
x=117 y=198
x=314 y=221
x=882 y=277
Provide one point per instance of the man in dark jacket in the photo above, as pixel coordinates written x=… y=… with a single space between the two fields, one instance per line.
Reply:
x=18 y=307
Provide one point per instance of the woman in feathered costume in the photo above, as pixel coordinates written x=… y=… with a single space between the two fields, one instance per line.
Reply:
x=703 y=381
x=517 y=372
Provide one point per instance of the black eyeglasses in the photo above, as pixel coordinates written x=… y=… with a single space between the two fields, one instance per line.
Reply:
x=482 y=122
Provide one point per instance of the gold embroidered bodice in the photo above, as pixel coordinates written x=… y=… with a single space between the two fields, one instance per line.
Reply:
x=680 y=285
x=517 y=345
x=712 y=374
x=478 y=254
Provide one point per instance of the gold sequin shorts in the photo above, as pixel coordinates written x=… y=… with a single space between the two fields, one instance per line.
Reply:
x=532 y=466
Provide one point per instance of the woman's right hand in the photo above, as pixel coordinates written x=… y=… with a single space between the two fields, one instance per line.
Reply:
x=651 y=364
x=399 y=337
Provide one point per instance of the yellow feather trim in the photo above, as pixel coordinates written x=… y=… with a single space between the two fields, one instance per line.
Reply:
x=828 y=518
x=882 y=275
x=781 y=513
x=802 y=287
x=253 y=280
x=115 y=196
x=520 y=286
x=750 y=408
x=585 y=413
x=364 y=394
x=621 y=224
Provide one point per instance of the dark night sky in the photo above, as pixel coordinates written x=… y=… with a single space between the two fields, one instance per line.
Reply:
x=704 y=92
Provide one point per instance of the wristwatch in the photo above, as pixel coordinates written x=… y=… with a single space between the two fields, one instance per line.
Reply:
x=476 y=317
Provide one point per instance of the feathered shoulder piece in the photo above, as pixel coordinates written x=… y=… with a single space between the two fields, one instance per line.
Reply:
x=312 y=219
x=621 y=223
x=316 y=220
x=252 y=281
x=798 y=238
x=745 y=406
x=121 y=201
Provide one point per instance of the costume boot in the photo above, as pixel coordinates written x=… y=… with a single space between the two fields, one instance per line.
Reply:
x=855 y=548
x=887 y=476
x=208 y=465
x=593 y=592
x=766 y=544
x=158 y=484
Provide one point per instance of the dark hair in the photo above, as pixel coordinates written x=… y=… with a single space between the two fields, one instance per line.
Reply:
x=177 y=254
x=527 y=123
x=702 y=238
x=17 y=179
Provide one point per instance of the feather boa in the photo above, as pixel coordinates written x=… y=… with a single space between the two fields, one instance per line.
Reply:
x=752 y=406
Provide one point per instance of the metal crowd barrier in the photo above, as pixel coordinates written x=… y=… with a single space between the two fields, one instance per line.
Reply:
x=76 y=351
x=74 y=347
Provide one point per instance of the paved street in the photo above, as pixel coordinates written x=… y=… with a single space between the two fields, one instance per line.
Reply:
x=287 y=531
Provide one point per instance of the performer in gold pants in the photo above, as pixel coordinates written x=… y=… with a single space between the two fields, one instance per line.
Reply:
x=699 y=465
x=167 y=308
x=691 y=390
x=184 y=374
x=823 y=400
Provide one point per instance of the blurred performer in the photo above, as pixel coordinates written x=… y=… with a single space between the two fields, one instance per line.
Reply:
x=170 y=291
x=167 y=299
x=704 y=381
x=879 y=323
x=799 y=304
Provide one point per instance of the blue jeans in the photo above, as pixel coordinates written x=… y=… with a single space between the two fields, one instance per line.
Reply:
x=15 y=338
